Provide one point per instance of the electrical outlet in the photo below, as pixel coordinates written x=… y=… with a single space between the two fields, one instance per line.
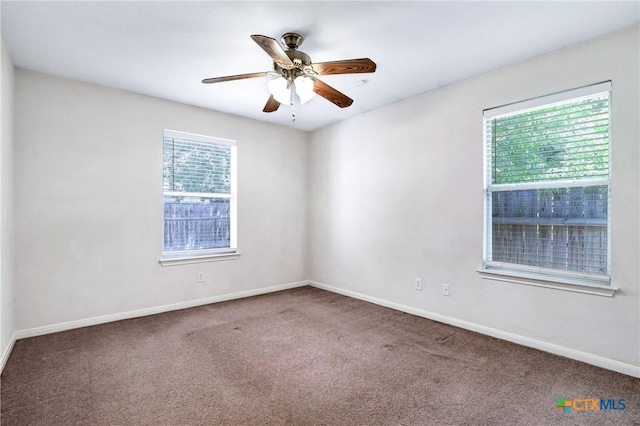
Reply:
x=445 y=290
x=200 y=277
x=418 y=283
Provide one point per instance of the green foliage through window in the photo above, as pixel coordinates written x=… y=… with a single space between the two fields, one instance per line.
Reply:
x=193 y=166
x=560 y=142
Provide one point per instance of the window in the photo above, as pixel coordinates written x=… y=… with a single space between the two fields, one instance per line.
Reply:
x=547 y=187
x=199 y=191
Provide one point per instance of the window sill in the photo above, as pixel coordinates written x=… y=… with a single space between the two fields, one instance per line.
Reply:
x=187 y=260
x=541 y=281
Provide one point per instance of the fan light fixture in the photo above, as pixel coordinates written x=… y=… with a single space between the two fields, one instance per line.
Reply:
x=280 y=88
x=304 y=88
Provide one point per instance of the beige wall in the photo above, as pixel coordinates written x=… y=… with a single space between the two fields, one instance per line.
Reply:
x=397 y=193
x=7 y=279
x=89 y=204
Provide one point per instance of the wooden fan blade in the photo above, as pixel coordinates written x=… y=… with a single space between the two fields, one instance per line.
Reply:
x=348 y=66
x=331 y=94
x=235 y=77
x=271 y=105
x=273 y=49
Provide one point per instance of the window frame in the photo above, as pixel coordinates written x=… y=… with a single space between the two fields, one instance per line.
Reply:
x=535 y=275
x=180 y=257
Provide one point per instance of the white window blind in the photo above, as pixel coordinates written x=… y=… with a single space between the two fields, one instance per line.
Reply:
x=199 y=194
x=547 y=185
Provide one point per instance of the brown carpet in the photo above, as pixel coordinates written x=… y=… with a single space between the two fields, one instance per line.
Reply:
x=302 y=356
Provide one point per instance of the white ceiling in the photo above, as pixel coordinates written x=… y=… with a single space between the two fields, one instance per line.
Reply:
x=164 y=49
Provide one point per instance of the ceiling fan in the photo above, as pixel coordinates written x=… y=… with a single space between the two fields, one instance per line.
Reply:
x=294 y=73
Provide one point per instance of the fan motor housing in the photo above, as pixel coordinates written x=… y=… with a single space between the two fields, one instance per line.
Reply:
x=302 y=57
x=300 y=60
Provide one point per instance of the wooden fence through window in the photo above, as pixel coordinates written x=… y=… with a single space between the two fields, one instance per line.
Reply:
x=552 y=228
x=196 y=225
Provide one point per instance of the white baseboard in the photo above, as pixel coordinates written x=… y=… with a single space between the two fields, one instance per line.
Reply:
x=609 y=364
x=54 y=328
x=7 y=352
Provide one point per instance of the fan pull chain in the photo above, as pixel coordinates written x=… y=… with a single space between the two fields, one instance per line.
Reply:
x=293 y=107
